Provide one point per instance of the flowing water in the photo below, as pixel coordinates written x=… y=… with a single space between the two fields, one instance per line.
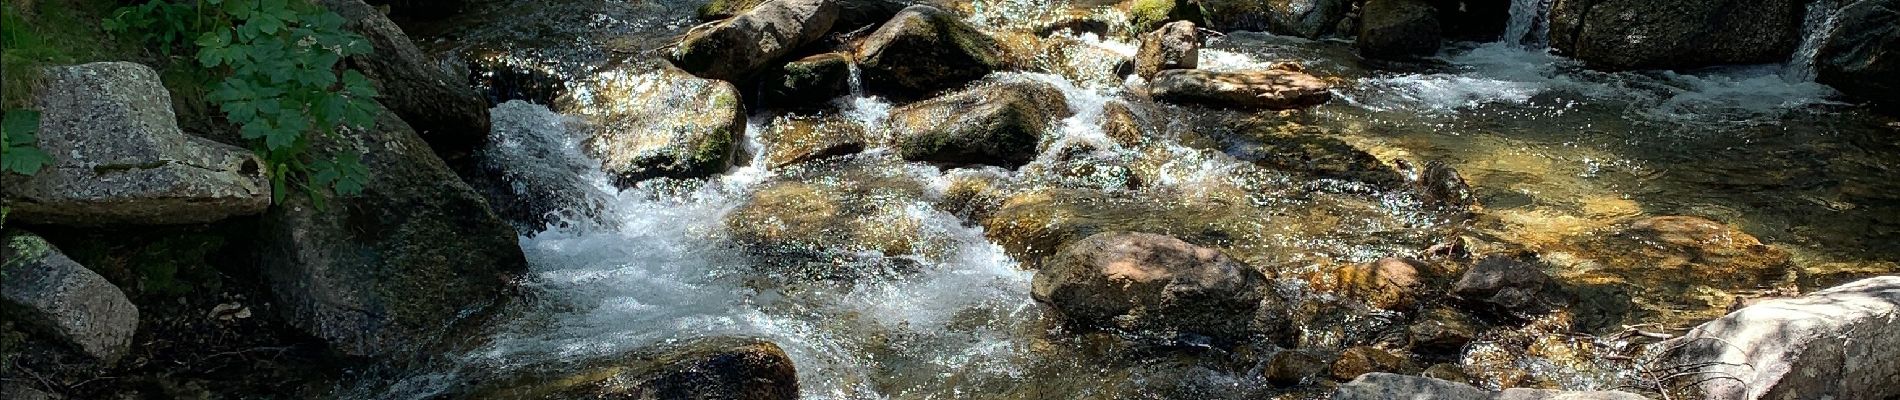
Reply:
x=1556 y=154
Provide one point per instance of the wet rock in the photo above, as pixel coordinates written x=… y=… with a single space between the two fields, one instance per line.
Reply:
x=417 y=254
x=1293 y=367
x=1688 y=251
x=809 y=82
x=449 y=115
x=1076 y=25
x=1384 y=386
x=20 y=391
x=1440 y=186
x=118 y=157
x=1304 y=18
x=1141 y=281
x=793 y=140
x=924 y=50
x=1269 y=89
x=1176 y=45
x=810 y=217
x=852 y=14
x=662 y=124
x=1641 y=34
x=998 y=124
x=1120 y=123
x=1442 y=331
x=1390 y=283
x=1843 y=343
x=1449 y=372
x=737 y=48
x=1398 y=30
x=52 y=295
x=1475 y=20
x=1361 y=360
x=1508 y=286
x=1314 y=154
x=716 y=368
x=1859 y=56
x=1547 y=394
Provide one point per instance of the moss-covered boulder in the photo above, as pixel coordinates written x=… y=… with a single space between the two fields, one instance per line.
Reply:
x=718 y=368
x=1149 y=15
x=1642 y=34
x=810 y=82
x=739 y=47
x=665 y=123
x=923 y=50
x=998 y=124
x=416 y=255
x=1304 y=18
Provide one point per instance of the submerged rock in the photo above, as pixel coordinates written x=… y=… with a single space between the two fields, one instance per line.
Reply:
x=1861 y=55
x=737 y=48
x=1440 y=186
x=1398 y=29
x=1269 y=89
x=418 y=254
x=1148 y=282
x=1842 y=343
x=662 y=124
x=1384 y=386
x=1508 y=286
x=1360 y=360
x=1643 y=34
x=1176 y=45
x=1390 y=283
x=1293 y=367
x=716 y=368
x=442 y=108
x=52 y=295
x=118 y=157
x=836 y=220
x=1304 y=18
x=809 y=82
x=1689 y=251
x=1442 y=331
x=924 y=50
x=998 y=124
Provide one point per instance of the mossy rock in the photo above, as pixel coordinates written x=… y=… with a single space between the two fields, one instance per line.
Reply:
x=818 y=220
x=999 y=124
x=793 y=140
x=923 y=50
x=1148 y=15
x=810 y=82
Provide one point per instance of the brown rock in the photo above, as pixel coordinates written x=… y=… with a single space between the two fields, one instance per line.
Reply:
x=1176 y=45
x=1141 y=281
x=1361 y=360
x=1269 y=89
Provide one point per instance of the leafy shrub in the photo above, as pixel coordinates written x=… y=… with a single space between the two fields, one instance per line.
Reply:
x=17 y=153
x=280 y=80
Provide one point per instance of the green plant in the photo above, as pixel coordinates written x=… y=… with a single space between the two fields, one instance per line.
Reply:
x=281 y=84
x=17 y=152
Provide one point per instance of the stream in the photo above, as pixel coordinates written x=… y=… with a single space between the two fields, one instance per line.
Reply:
x=1556 y=154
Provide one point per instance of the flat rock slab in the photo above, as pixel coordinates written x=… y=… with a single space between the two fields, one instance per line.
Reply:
x=53 y=295
x=119 y=157
x=1269 y=89
x=1840 y=343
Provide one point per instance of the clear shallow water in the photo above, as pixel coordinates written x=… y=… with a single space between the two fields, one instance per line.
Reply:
x=1555 y=153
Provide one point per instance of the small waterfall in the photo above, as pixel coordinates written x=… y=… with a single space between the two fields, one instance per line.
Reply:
x=1820 y=19
x=1529 y=24
x=856 y=80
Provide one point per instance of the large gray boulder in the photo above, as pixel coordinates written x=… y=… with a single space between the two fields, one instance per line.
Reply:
x=1645 y=34
x=665 y=123
x=1147 y=282
x=1839 y=343
x=417 y=254
x=1398 y=29
x=119 y=157
x=1861 y=55
x=1304 y=18
x=443 y=108
x=1268 y=89
x=55 y=296
x=999 y=124
x=737 y=48
x=718 y=368
x=1176 y=45
x=924 y=50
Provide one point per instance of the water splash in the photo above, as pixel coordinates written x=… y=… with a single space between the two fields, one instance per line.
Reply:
x=1815 y=26
x=1529 y=23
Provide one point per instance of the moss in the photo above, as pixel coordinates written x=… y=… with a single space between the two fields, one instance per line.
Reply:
x=1146 y=15
x=721 y=9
